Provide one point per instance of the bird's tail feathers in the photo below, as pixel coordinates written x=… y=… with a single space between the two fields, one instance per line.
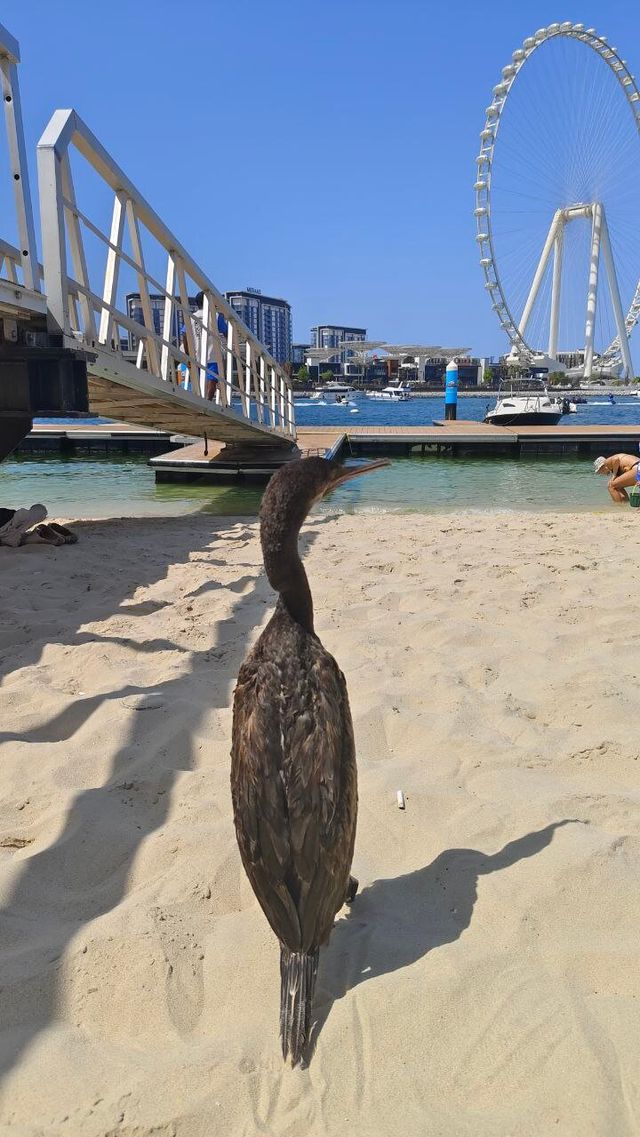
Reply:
x=298 y=971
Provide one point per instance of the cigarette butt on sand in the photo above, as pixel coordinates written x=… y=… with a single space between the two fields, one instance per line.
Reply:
x=400 y=799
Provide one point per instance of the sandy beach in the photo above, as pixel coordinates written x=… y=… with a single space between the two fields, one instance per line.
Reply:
x=486 y=982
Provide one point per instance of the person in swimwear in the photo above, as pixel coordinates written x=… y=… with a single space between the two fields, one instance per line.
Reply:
x=622 y=471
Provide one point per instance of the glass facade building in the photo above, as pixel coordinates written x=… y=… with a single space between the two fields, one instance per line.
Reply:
x=299 y=352
x=267 y=317
x=335 y=335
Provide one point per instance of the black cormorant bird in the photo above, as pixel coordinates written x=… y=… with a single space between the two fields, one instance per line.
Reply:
x=293 y=765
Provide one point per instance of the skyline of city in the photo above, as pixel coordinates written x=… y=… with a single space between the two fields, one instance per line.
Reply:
x=323 y=336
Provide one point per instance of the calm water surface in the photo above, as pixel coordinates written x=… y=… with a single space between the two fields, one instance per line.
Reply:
x=371 y=412
x=106 y=487
x=110 y=487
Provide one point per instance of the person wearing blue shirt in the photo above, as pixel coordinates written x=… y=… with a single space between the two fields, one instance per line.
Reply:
x=213 y=374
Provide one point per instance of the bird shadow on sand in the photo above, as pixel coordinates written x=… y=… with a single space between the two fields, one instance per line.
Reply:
x=393 y=923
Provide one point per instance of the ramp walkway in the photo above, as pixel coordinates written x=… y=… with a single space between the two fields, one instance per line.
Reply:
x=113 y=304
x=148 y=365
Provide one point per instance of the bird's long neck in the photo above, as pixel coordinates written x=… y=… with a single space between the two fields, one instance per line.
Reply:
x=285 y=570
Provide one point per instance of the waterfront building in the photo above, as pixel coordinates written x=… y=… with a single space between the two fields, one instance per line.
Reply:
x=571 y=358
x=336 y=335
x=469 y=371
x=268 y=317
x=299 y=352
x=380 y=372
x=134 y=312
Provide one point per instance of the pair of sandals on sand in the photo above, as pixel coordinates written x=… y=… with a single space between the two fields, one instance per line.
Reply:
x=25 y=527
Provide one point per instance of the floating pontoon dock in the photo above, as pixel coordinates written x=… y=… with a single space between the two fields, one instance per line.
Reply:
x=177 y=458
x=472 y=439
x=110 y=438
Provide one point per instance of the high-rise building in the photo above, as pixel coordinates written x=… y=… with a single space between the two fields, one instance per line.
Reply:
x=134 y=312
x=267 y=317
x=335 y=335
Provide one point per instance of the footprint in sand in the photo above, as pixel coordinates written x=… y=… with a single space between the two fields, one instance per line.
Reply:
x=604 y=749
x=183 y=976
x=480 y=677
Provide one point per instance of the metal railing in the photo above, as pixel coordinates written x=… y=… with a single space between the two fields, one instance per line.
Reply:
x=12 y=266
x=18 y=266
x=187 y=350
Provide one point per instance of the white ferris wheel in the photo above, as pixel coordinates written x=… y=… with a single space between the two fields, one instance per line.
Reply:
x=558 y=202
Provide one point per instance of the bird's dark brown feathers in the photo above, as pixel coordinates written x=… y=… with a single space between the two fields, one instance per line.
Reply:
x=293 y=780
x=293 y=767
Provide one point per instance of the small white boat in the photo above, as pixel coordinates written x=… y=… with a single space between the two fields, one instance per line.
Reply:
x=525 y=402
x=334 y=392
x=397 y=394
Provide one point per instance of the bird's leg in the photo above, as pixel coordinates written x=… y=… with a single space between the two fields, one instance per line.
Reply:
x=352 y=888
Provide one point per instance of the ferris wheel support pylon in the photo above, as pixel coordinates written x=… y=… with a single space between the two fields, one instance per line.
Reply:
x=558 y=250
x=615 y=298
x=540 y=271
x=592 y=288
x=600 y=243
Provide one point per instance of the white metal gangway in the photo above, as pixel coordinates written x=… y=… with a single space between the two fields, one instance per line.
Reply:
x=152 y=366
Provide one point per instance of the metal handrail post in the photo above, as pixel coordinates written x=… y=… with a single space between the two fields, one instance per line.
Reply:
x=9 y=59
x=54 y=249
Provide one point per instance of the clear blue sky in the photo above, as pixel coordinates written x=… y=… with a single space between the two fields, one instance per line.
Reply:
x=321 y=150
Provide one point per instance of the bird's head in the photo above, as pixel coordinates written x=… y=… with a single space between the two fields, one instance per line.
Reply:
x=326 y=475
x=292 y=491
x=298 y=485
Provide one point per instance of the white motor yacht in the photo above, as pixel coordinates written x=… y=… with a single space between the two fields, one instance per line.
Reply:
x=334 y=392
x=397 y=394
x=525 y=402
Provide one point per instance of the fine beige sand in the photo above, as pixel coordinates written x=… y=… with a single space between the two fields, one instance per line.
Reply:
x=487 y=980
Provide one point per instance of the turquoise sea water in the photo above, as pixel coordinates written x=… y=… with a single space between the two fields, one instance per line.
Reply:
x=116 y=486
x=108 y=487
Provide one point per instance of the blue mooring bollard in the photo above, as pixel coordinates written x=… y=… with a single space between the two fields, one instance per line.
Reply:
x=451 y=390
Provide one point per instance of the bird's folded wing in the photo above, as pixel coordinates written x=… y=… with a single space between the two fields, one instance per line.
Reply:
x=259 y=803
x=321 y=789
x=294 y=793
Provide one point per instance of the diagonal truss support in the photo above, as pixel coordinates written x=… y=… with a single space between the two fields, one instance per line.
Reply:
x=600 y=243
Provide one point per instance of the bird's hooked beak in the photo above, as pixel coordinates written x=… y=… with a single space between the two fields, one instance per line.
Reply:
x=349 y=472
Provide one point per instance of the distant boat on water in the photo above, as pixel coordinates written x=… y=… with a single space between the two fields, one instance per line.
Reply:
x=333 y=392
x=397 y=394
x=525 y=402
